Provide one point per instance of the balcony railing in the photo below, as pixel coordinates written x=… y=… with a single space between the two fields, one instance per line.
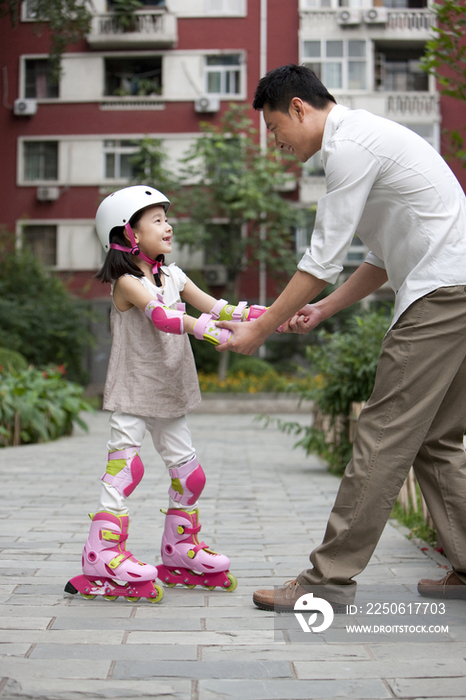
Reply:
x=410 y=19
x=146 y=30
x=402 y=23
x=395 y=105
x=412 y=104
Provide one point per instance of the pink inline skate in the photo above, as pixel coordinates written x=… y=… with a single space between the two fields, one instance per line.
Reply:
x=187 y=561
x=109 y=570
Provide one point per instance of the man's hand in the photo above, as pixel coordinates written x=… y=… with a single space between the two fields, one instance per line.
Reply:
x=246 y=338
x=304 y=321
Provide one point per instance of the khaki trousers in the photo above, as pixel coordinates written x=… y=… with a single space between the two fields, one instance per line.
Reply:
x=416 y=416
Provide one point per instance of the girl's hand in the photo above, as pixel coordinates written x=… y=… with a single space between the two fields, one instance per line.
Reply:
x=304 y=321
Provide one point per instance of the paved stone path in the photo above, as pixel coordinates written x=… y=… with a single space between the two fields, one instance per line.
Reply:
x=266 y=506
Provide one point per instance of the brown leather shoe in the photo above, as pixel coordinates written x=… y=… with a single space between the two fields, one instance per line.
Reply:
x=450 y=586
x=283 y=599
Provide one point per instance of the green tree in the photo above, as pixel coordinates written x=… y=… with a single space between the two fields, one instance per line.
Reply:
x=68 y=21
x=151 y=167
x=445 y=57
x=228 y=179
x=39 y=318
x=344 y=366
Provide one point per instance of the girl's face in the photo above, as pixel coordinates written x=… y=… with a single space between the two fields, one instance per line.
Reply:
x=153 y=233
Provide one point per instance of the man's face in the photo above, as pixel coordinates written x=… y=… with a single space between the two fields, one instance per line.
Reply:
x=299 y=131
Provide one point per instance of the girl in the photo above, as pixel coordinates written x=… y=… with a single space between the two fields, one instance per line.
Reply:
x=151 y=384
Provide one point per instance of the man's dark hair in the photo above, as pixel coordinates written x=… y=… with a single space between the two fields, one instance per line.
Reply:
x=279 y=86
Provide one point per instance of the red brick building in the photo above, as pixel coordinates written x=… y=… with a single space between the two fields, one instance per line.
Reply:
x=66 y=144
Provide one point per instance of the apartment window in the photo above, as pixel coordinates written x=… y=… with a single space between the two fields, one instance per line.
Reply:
x=39 y=80
x=40 y=160
x=144 y=3
x=117 y=159
x=138 y=76
x=41 y=241
x=225 y=7
x=29 y=9
x=410 y=4
x=400 y=71
x=223 y=74
x=314 y=4
x=340 y=63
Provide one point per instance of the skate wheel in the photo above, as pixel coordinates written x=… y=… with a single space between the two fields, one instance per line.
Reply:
x=189 y=586
x=159 y=595
x=87 y=597
x=169 y=585
x=109 y=597
x=208 y=588
x=131 y=598
x=233 y=582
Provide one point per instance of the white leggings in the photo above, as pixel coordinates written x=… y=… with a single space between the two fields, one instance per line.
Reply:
x=171 y=438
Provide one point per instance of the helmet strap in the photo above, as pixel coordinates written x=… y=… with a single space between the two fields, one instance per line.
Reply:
x=134 y=250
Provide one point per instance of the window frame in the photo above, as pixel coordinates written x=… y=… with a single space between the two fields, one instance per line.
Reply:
x=118 y=151
x=22 y=143
x=344 y=61
x=50 y=83
x=21 y=239
x=132 y=56
x=224 y=70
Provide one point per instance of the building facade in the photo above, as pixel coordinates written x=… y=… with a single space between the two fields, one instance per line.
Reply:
x=67 y=143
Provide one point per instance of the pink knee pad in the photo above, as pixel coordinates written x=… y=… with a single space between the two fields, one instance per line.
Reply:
x=188 y=482
x=165 y=319
x=124 y=470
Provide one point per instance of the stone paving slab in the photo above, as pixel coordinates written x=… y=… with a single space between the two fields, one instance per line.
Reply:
x=266 y=506
x=292 y=690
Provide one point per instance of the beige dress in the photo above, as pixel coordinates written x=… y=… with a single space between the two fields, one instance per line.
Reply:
x=151 y=373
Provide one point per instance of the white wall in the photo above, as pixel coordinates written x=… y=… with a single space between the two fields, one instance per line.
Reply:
x=78 y=247
x=183 y=76
x=82 y=79
x=81 y=159
x=208 y=8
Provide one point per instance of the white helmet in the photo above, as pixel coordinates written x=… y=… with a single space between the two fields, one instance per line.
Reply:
x=118 y=208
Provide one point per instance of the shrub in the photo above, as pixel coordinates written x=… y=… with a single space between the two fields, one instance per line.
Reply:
x=38 y=406
x=250 y=366
x=40 y=318
x=345 y=364
x=242 y=382
x=11 y=360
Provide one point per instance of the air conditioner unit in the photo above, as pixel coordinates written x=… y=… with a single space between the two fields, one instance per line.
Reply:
x=376 y=15
x=25 y=107
x=48 y=194
x=207 y=104
x=349 y=16
x=215 y=275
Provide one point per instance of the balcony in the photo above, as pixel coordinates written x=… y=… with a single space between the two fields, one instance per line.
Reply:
x=399 y=106
x=375 y=23
x=149 y=30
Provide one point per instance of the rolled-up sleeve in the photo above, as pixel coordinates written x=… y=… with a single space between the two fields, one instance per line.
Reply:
x=350 y=171
x=372 y=259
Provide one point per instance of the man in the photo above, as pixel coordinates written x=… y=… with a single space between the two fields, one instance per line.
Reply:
x=389 y=186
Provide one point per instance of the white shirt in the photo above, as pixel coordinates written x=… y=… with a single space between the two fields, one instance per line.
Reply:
x=390 y=187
